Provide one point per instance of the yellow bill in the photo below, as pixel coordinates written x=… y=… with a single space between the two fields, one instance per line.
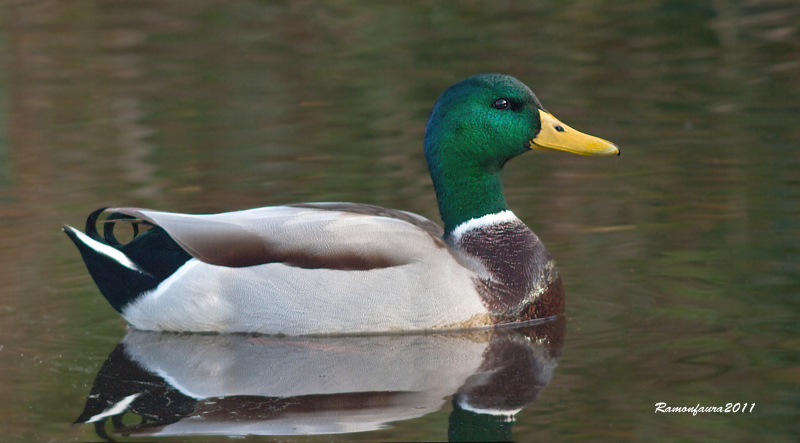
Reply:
x=560 y=137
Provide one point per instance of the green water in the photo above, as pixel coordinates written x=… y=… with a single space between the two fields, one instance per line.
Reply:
x=680 y=258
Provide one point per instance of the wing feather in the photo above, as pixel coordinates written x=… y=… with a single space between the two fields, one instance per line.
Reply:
x=317 y=235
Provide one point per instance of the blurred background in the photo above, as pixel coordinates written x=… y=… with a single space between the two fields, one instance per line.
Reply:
x=680 y=258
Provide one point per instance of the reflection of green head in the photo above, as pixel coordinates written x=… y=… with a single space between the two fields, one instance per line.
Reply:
x=470 y=426
x=476 y=126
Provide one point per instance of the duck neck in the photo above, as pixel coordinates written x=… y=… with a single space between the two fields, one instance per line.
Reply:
x=467 y=193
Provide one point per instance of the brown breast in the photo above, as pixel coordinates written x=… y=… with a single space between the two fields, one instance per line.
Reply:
x=523 y=283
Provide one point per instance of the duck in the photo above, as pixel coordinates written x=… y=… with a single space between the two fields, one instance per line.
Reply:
x=328 y=268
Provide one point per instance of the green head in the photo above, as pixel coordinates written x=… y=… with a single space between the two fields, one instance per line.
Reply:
x=476 y=126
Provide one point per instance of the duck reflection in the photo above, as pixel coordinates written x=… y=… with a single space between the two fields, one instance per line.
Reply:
x=191 y=384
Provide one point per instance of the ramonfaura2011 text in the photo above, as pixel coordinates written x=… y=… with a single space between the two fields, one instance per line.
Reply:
x=728 y=408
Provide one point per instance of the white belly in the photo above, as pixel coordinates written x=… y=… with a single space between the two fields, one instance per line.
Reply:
x=279 y=299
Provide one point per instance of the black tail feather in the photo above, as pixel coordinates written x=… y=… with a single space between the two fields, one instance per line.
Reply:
x=150 y=258
x=91 y=224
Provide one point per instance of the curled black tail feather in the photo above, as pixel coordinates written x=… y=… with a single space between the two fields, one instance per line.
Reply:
x=91 y=224
x=108 y=227
x=153 y=254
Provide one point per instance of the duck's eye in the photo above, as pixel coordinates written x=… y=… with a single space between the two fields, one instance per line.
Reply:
x=500 y=103
x=559 y=128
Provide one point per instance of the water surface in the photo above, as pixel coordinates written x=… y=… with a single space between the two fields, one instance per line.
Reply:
x=679 y=258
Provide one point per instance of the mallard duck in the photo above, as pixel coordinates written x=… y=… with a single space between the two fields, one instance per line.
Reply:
x=331 y=268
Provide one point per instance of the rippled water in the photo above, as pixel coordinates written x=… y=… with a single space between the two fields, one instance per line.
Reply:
x=680 y=258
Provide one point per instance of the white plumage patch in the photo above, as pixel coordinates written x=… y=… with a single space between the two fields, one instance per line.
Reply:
x=172 y=279
x=486 y=220
x=106 y=250
x=118 y=408
x=507 y=413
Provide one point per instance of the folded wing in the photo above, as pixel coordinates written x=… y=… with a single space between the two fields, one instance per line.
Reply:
x=345 y=236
